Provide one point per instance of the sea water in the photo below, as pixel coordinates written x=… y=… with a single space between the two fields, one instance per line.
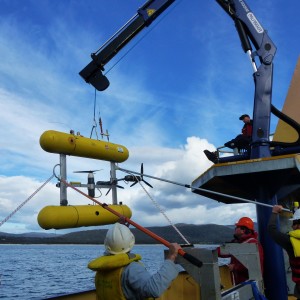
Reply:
x=42 y=271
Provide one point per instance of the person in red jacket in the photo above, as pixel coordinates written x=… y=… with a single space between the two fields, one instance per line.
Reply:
x=241 y=141
x=244 y=233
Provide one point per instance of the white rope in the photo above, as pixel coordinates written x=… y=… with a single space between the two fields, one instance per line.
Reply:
x=23 y=203
x=162 y=211
x=204 y=190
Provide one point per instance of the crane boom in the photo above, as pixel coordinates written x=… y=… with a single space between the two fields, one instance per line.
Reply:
x=92 y=73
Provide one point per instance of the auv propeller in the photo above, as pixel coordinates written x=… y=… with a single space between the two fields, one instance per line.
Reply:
x=135 y=179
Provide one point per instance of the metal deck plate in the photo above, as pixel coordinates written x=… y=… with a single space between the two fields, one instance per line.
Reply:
x=244 y=179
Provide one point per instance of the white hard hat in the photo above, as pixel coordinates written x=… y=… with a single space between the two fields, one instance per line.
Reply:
x=296 y=215
x=119 y=239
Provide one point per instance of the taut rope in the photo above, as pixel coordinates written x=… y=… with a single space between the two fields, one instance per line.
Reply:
x=23 y=203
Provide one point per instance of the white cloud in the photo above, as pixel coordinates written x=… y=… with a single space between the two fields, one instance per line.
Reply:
x=176 y=201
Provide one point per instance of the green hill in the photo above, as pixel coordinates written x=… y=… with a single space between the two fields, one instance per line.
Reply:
x=195 y=234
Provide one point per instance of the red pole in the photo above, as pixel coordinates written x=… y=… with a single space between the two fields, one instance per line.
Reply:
x=181 y=252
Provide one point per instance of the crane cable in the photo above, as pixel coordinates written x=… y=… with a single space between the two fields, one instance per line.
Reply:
x=23 y=203
x=94 y=127
x=94 y=119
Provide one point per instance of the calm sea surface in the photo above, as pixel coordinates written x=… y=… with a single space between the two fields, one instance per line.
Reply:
x=43 y=271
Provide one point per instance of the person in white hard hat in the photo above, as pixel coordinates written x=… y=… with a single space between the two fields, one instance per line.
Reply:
x=120 y=275
x=290 y=242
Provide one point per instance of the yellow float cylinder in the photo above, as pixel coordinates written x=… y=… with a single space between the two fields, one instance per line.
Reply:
x=76 y=145
x=61 y=217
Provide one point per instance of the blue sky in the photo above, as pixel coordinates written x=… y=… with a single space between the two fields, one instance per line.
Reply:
x=179 y=89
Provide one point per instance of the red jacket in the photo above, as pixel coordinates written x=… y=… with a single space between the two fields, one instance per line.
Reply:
x=295 y=266
x=247 y=129
x=240 y=272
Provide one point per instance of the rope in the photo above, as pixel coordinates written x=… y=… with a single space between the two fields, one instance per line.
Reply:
x=159 y=208
x=162 y=211
x=201 y=189
x=23 y=203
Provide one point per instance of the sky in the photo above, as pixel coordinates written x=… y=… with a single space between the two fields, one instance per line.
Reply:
x=178 y=88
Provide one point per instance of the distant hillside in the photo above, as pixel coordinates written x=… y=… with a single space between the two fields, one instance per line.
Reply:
x=195 y=234
x=29 y=234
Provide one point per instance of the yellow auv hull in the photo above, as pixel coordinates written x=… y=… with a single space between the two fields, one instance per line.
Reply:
x=76 y=145
x=61 y=217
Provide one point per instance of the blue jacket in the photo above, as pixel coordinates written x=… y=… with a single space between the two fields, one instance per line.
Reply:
x=138 y=283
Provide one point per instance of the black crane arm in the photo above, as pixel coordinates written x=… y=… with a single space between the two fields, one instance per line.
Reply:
x=146 y=14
